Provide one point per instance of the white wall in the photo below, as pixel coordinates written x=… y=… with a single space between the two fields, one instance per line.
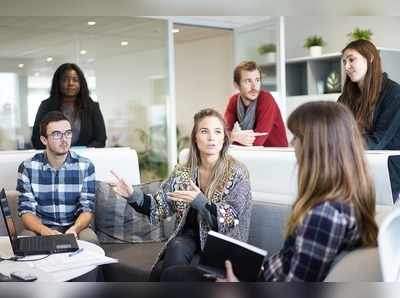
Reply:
x=334 y=30
x=203 y=77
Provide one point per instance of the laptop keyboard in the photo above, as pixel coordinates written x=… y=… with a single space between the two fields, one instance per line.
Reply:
x=40 y=243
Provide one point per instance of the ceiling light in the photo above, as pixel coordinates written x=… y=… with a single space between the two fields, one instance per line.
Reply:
x=90 y=60
x=176 y=30
x=36 y=74
x=21 y=65
x=91 y=23
x=49 y=59
x=124 y=43
x=83 y=52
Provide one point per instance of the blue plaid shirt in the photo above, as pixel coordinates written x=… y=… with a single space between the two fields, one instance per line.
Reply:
x=327 y=229
x=56 y=196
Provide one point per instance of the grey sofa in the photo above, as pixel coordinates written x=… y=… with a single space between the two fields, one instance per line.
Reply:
x=136 y=259
x=266 y=231
x=272 y=176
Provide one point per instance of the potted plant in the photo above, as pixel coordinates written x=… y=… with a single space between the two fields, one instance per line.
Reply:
x=268 y=50
x=314 y=43
x=359 y=33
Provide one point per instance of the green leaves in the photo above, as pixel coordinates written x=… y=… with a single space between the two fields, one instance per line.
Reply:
x=266 y=48
x=314 y=40
x=359 y=33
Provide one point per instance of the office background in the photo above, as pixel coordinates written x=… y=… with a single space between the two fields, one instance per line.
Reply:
x=151 y=74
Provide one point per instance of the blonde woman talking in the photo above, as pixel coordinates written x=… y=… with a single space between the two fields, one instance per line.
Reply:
x=211 y=191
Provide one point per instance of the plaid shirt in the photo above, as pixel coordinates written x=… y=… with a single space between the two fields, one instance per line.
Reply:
x=327 y=229
x=56 y=196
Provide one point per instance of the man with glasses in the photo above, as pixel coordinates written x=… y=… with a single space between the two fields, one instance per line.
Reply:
x=57 y=186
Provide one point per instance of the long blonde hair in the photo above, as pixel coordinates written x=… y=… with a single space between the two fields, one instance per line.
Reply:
x=219 y=170
x=331 y=165
x=363 y=102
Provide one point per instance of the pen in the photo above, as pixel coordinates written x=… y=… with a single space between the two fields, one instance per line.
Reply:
x=75 y=252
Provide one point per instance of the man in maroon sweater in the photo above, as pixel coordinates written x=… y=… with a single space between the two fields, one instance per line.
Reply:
x=259 y=120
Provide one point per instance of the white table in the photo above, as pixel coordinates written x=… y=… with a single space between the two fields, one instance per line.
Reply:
x=6 y=267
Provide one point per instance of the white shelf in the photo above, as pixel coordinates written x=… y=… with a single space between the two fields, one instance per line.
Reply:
x=313 y=97
x=269 y=64
x=308 y=58
x=329 y=55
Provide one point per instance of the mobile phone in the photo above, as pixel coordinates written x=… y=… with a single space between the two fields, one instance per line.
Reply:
x=23 y=276
x=210 y=276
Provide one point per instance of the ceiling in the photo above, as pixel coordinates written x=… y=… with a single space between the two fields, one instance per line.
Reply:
x=31 y=40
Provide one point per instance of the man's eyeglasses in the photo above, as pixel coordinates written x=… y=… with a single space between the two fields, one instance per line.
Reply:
x=58 y=135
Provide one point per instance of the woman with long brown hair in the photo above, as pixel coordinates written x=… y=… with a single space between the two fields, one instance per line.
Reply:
x=211 y=191
x=374 y=100
x=335 y=205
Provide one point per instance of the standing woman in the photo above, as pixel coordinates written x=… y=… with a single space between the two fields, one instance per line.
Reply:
x=69 y=94
x=211 y=191
x=374 y=100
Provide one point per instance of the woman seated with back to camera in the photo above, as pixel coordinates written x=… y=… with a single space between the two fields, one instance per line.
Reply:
x=211 y=191
x=335 y=206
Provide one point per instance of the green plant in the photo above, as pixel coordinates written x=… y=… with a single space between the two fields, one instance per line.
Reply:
x=359 y=33
x=314 y=40
x=152 y=164
x=266 y=48
x=182 y=141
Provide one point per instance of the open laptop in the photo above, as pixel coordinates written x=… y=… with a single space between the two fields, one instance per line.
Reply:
x=37 y=245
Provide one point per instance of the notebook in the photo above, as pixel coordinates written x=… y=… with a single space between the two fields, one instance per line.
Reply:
x=37 y=245
x=246 y=259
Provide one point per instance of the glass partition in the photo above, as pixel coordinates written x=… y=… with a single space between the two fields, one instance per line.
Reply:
x=261 y=42
x=125 y=61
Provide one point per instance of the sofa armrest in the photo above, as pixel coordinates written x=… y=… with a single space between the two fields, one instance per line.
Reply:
x=12 y=197
x=348 y=268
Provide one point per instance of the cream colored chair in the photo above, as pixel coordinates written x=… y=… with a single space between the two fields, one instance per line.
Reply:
x=359 y=265
x=389 y=246
x=362 y=264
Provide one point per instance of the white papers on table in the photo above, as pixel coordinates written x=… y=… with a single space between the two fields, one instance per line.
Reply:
x=63 y=261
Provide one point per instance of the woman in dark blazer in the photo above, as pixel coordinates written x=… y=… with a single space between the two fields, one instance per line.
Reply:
x=70 y=94
x=374 y=100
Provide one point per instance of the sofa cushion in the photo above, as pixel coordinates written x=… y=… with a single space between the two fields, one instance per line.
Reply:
x=135 y=261
x=117 y=222
x=267 y=225
x=12 y=198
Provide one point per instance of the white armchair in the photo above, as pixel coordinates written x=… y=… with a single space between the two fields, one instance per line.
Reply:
x=389 y=246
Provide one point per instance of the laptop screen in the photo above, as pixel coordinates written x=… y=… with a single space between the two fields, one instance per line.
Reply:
x=9 y=222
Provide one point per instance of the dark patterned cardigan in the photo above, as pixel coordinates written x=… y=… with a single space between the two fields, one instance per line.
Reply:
x=232 y=201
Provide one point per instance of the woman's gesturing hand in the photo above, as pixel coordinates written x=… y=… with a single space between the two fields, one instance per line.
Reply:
x=122 y=187
x=186 y=196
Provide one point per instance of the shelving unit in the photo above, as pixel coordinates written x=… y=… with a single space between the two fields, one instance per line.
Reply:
x=306 y=79
x=307 y=75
